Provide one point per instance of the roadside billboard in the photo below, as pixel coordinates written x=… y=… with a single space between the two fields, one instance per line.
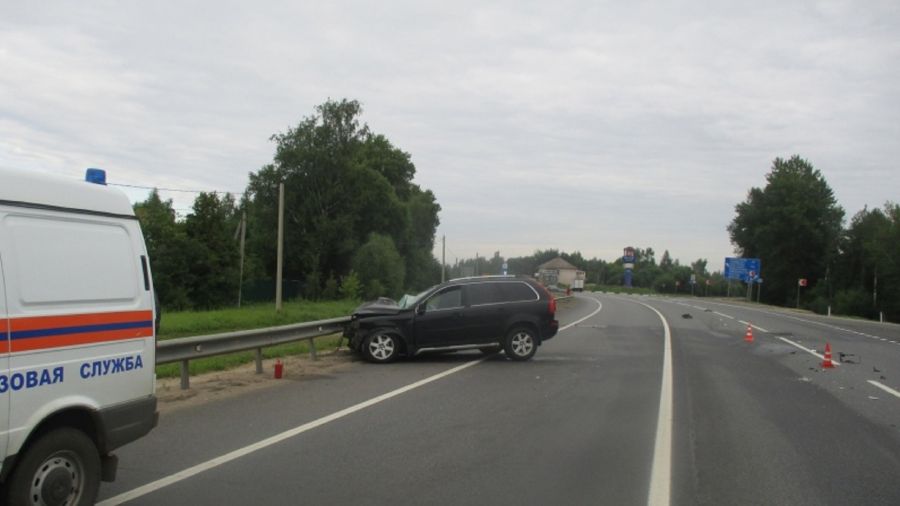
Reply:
x=744 y=269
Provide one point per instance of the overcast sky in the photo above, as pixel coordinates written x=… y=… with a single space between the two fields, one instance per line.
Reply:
x=578 y=125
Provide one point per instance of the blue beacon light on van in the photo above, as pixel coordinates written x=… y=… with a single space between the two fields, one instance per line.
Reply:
x=96 y=176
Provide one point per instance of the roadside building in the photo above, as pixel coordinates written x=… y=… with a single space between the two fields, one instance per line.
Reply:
x=557 y=272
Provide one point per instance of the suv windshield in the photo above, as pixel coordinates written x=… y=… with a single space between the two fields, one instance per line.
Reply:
x=408 y=300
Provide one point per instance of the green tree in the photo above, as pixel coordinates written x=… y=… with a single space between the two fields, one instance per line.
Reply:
x=212 y=251
x=867 y=272
x=351 y=288
x=342 y=183
x=380 y=268
x=792 y=225
x=166 y=246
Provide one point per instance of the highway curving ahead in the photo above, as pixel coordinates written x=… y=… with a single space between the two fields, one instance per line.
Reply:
x=636 y=401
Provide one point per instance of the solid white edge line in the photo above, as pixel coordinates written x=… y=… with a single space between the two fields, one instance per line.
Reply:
x=240 y=452
x=599 y=307
x=661 y=473
x=885 y=388
x=807 y=350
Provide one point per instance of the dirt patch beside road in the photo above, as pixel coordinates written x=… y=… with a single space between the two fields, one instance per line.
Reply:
x=224 y=384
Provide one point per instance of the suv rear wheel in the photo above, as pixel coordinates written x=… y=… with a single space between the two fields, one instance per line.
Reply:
x=520 y=344
x=381 y=347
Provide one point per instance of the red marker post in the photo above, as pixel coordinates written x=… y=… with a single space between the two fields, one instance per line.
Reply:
x=800 y=283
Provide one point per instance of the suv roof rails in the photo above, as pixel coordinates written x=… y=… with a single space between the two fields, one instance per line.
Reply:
x=491 y=276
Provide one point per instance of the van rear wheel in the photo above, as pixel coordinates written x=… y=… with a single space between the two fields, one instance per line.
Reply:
x=60 y=468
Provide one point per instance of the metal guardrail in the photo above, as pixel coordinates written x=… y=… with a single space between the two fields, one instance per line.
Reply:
x=186 y=349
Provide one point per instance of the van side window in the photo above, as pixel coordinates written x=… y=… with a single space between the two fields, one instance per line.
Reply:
x=516 y=292
x=447 y=299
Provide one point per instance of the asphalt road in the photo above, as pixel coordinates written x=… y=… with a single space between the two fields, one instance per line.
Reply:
x=752 y=423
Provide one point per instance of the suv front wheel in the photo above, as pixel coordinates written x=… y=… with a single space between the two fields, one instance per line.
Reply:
x=381 y=347
x=520 y=344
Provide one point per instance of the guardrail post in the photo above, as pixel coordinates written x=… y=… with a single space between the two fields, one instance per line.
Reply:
x=312 y=349
x=259 y=361
x=185 y=375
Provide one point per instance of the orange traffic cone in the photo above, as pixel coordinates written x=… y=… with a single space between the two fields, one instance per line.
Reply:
x=748 y=337
x=827 y=363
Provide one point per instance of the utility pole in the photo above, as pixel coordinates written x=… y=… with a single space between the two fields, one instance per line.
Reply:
x=443 y=258
x=875 y=290
x=280 y=268
x=243 y=238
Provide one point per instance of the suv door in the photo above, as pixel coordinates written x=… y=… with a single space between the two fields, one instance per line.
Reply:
x=486 y=312
x=439 y=319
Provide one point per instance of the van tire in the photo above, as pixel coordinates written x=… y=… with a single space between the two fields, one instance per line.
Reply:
x=63 y=465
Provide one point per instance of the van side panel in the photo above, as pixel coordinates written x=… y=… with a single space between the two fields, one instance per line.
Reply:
x=4 y=365
x=80 y=318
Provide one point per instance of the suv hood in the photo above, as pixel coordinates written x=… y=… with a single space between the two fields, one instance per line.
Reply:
x=382 y=306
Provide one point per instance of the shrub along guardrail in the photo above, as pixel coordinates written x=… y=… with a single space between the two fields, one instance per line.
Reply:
x=186 y=349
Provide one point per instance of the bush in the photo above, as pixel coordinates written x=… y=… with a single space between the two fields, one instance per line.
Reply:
x=331 y=289
x=350 y=286
x=853 y=302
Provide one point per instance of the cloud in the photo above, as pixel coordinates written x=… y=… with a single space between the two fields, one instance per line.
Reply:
x=576 y=125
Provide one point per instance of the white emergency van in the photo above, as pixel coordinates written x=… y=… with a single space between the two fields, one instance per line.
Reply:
x=77 y=336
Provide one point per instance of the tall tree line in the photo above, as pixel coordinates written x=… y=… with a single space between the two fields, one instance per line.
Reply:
x=666 y=276
x=352 y=213
x=796 y=228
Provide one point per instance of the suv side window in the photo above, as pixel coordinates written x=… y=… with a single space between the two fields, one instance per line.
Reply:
x=516 y=292
x=483 y=293
x=447 y=299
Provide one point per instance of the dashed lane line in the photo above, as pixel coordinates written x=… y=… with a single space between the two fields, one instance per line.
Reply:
x=885 y=388
x=804 y=348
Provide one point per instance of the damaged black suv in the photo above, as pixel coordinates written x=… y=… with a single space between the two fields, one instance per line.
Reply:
x=513 y=313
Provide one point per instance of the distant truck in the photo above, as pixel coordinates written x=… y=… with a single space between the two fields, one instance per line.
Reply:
x=77 y=336
x=578 y=282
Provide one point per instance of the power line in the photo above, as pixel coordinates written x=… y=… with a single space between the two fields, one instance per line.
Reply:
x=172 y=189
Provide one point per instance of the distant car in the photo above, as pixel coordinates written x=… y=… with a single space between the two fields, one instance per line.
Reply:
x=486 y=313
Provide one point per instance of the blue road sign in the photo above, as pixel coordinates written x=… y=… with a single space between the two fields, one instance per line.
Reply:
x=743 y=269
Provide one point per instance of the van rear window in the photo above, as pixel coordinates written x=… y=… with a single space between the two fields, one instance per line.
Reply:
x=57 y=262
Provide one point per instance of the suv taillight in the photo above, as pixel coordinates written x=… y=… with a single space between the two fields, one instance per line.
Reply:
x=552 y=306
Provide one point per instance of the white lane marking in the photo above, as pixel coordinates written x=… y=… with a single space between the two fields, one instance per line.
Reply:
x=724 y=315
x=804 y=320
x=804 y=348
x=265 y=443
x=885 y=388
x=599 y=307
x=754 y=326
x=661 y=473
x=228 y=457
